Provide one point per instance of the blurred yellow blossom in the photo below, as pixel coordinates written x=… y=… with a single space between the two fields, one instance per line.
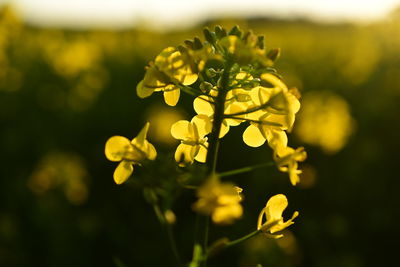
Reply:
x=61 y=170
x=74 y=57
x=119 y=148
x=220 y=200
x=192 y=134
x=161 y=119
x=325 y=121
x=273 y=211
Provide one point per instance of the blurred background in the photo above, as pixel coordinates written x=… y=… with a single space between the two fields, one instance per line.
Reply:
x=68 y=72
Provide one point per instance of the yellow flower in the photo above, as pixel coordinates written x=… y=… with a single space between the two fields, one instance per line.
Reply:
x=119 y=148
x=325 y=121
x=279 y=100
x=192 y=134
x=170 y=68
x=267 y=128
x=153 y=81
x=273 y=215
x=176 y=65
x=220 y=200
x=287 y=160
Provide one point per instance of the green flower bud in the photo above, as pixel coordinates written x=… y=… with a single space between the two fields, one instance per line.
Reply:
x=189 y=44
x=209 y=36
x=220 y=32
x=205 y=87
x=197 y=44
x=235 y=31
x=260 y=41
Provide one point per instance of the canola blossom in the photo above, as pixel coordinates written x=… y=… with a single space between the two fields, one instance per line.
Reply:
x=192 y=134
x=287 y=160
x=273 y=216
x=219 y=200
x=129 y=153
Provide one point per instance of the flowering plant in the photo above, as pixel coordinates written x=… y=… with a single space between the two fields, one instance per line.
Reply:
x=231 y=78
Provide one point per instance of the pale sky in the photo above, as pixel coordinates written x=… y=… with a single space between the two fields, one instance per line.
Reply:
x=172 y=13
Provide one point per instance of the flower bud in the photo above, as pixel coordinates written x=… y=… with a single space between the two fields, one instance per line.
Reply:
x=197 y=44
x=209 y=36
x=274 y=54
x=220 y=32
x=235 y=31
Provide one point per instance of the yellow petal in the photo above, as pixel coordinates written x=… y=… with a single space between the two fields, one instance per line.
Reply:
x=202 y=105
x=203 y=124
x=281 y=226
x=253 y=137
x=171 y=95
x=142 y=91
x=227 y=214
x=224 y=129
x=180 y=129
x=184 y=154
x=275 y=207
x=151 y=151
x=116 y=148
x=201 y=154
x=280 y=120
x=140 y=139
x=277 y=140
x=190 y=78
x=123 y=172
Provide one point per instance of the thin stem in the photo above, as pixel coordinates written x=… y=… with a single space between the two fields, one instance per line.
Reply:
x=245 y=169
x=168 y=229
x=173 y=244
x=265 y=227
x=244 y=238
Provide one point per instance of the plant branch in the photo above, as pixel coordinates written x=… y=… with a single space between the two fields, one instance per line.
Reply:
x=245 y=169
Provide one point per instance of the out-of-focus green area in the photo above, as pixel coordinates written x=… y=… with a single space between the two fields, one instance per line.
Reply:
x=64 y=92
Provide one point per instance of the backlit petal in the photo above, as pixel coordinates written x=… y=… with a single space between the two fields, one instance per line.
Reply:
x=180 y=129
x=116 y=147
x=253 y=137
x=202 y=105
x=275 y=207
x=171 y=95
x=123 y=172
x=201 y=155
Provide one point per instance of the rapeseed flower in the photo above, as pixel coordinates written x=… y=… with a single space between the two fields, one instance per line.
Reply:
x=192 y=134
x=273 y=216
x=287 y=160
x=129 y=153
x=219 y=200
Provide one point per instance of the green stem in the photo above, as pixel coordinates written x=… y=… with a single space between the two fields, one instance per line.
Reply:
x=244 y=238
x=213 y=147
x=219 y=107
x=245 y=169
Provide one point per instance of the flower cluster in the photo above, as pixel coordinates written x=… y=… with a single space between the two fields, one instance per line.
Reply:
x=254 y=94
x=231 y=79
